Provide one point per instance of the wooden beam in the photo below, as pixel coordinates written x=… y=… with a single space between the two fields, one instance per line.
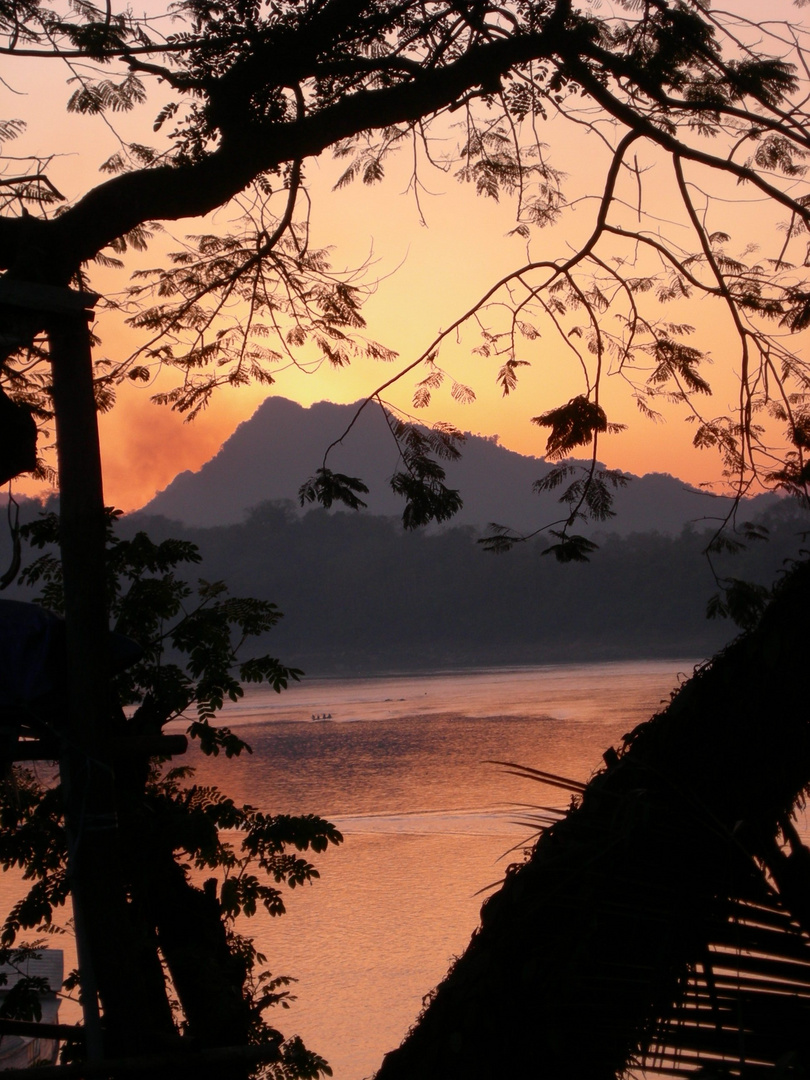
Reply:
x=178 y=1062
x=32 y=1029
x=149 y=745
x=52 y=299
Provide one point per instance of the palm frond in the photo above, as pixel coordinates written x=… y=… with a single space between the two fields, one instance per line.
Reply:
x=659 y=926
x=744 y=1006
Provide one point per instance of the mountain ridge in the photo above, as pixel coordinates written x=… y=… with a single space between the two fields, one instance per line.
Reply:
x=271 y=454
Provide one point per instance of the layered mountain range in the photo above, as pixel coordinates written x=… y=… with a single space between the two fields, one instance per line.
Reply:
x=361 y=594
x=270 y=455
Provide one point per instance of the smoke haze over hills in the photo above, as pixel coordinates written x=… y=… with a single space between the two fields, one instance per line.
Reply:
x=360 y=594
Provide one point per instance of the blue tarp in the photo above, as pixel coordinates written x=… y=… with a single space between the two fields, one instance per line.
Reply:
x=32 y=654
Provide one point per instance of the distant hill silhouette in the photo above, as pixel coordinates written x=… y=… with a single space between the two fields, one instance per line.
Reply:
x=360 y=594
x=270 y=455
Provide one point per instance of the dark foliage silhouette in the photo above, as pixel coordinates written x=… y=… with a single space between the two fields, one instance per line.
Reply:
x=249 y=92
x=660 y=924
x=188 y=662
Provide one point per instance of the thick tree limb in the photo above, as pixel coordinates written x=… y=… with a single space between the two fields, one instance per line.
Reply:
x=53 y=250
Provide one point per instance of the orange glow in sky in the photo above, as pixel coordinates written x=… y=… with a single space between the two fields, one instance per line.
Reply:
x=427 y=275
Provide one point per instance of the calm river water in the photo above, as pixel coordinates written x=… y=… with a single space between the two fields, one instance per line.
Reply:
x=403 y=768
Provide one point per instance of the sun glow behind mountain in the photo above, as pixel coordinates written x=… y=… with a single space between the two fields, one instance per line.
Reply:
x=428 y=276
x=434 y=248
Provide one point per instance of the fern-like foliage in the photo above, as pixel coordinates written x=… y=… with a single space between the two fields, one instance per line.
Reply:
x=327 y=487
x=190 y=642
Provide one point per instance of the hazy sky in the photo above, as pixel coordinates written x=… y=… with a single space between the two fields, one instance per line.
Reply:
x=428 y=274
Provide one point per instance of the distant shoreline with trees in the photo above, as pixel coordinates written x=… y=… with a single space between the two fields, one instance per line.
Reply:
x=361 y=596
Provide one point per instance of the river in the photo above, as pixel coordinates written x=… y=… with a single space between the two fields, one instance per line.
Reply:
x=404 y=767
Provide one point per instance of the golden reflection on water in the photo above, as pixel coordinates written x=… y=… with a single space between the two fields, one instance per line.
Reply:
x=402 y=770
x=376 y=934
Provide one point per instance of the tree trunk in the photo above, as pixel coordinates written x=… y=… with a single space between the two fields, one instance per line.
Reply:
x=587 y=947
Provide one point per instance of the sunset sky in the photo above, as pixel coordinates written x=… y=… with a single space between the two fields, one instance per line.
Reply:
x=427 y=276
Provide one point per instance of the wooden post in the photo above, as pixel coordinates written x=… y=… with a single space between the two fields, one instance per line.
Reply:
x=32 y=306
x=110 y=953
x=86 y=765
